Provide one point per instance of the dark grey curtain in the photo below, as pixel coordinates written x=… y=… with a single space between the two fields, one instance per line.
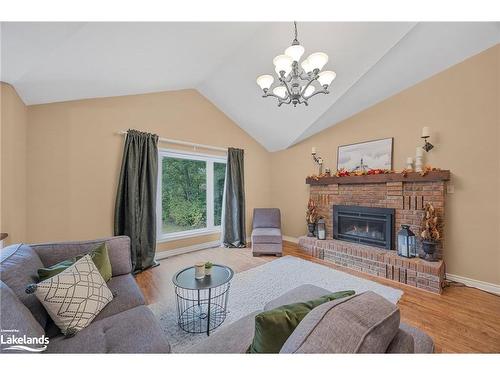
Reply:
x=135 y=209
x=233 y=215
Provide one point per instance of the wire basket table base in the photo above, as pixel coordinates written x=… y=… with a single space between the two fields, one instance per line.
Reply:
x=202 y=310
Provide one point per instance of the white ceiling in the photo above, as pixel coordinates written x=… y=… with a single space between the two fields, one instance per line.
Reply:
x=52 y=62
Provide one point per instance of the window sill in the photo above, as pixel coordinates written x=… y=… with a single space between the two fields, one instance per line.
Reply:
x=187 y=234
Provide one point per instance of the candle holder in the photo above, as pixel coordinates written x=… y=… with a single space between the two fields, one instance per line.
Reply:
x=318 y=160
x=427 y=146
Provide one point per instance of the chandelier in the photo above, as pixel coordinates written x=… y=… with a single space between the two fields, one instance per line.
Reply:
x=297 y=86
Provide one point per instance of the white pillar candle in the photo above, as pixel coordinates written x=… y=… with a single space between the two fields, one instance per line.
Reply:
x=313 y=151
x=409 y=163
x=199 y=271
x=426 y=131
x=420 y=151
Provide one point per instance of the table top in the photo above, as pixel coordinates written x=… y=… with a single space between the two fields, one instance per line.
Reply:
x=220 y=275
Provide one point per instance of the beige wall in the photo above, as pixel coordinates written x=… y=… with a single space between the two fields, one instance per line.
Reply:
x=461 y=105
x=74 y=156
x=13 y=122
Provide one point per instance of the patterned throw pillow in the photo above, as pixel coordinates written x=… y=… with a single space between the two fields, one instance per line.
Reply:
x=74 y=297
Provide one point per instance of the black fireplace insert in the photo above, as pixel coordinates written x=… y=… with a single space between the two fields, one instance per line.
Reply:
x=367 y=225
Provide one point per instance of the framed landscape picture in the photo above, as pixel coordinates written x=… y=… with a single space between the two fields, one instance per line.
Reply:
x=364 y=156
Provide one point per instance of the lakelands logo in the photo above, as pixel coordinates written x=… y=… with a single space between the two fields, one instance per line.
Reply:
x=12 y=341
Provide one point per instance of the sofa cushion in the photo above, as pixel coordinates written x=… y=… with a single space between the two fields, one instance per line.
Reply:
x=118 y=252
x=132 y=331
x=421 y=341
x=402 y=343
x=18 y=268
x=365 y=323
x=266 y=218
x=301 y=293
x=99 y=255
x=273 y=327
x=16 y=316
x=266 y=235
x=74 y=297
x=126 y=295
x=233 y=338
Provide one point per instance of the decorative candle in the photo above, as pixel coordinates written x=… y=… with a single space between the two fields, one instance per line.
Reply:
x=409 y=163
x=199 y=271
x=313 y=151
x=426 y=132
x=420 y=151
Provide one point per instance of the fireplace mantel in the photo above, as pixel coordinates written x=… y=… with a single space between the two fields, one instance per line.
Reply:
x=382 y=178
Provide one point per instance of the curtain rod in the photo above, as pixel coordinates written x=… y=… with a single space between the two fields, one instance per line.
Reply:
x=184 y=143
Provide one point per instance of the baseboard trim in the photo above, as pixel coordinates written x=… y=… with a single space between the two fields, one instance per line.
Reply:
x=487 y=287
x=187 y=249
x=291 y=239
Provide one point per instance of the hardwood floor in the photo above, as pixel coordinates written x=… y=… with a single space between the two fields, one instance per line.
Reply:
x=461 y=320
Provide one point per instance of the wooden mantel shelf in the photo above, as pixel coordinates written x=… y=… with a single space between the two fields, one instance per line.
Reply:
x=381 y=178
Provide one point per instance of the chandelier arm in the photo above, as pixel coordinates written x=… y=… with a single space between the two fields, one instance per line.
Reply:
x=287 y=88
x=311 y=80
x=267 y=94
x=322 y=91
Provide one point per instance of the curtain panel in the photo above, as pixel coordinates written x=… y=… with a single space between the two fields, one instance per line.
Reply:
x=135 y=209
x=233 y=214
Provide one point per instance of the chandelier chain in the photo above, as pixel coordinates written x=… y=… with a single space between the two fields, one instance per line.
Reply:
x=295 y=25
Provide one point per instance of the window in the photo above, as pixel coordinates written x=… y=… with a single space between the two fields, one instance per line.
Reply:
x=190 y=189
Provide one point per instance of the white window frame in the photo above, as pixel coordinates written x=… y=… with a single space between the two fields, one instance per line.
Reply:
x=210 y=228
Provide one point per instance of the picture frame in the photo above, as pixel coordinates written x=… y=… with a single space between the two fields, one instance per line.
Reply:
x=363 y=156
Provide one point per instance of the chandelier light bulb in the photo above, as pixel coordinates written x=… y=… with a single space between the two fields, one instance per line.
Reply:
x=306 y=66
x=318 y=60
x=280 y=91
x=309 y=91
x=295 y=52
x=283 y=63
x=326 y=78
x=265 y=81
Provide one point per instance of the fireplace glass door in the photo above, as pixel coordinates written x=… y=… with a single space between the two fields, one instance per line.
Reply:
x=371 y=226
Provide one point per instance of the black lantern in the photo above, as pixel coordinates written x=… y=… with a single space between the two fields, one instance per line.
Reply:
x=321 y=229
x=407 y=242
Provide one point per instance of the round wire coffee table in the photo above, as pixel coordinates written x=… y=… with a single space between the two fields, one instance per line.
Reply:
x=202 y=304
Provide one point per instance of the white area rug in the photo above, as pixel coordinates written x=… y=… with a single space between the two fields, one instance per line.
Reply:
x=250 y=290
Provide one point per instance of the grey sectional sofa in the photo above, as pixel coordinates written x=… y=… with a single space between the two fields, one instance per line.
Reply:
x=364 y=323
x=125 y=325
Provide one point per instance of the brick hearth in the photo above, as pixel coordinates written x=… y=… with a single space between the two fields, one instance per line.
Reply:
x=379 y=262
x=407 y=197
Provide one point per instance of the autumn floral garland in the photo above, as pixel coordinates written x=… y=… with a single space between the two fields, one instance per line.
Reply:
x=369 y=172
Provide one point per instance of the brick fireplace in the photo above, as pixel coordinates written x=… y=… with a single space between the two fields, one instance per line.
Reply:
x=407 y=197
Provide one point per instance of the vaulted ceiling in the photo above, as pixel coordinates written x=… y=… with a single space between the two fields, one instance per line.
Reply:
x=52 y=62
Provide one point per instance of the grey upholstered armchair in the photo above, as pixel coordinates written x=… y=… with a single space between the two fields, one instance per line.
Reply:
x=266 y=232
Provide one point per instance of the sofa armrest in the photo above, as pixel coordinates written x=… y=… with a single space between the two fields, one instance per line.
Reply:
x=118 y=250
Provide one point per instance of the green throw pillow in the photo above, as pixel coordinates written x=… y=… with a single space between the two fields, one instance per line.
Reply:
x=99 y=256
x=273 y=327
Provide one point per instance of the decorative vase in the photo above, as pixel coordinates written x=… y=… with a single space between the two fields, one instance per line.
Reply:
x=310 y=228
x=429 y=248
x=199 y=271
x=208 y=271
